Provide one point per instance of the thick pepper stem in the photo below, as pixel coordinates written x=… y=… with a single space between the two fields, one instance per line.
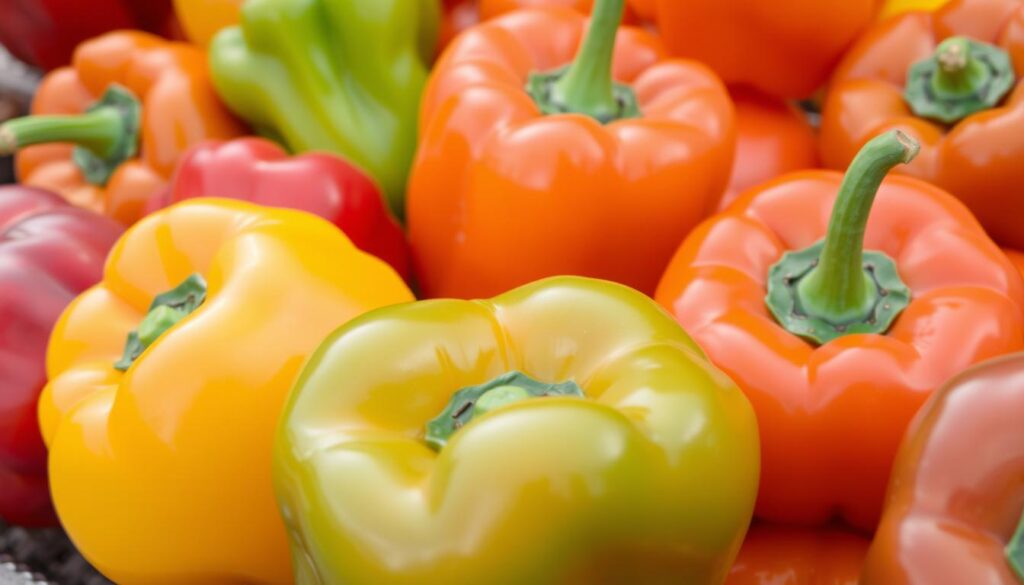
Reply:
x=958 y=71
x=587 y=86
x=838 y=289
x=100 y=131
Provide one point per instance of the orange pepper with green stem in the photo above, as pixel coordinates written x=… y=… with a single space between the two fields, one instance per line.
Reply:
x=785 y=48
x=577 y=174
x=951 y=79
x=107 y=132
x=839 y=341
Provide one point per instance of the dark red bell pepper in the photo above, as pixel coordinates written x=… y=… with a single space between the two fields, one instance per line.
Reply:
x=44 y=33
x=259 y=171
x=49 y=253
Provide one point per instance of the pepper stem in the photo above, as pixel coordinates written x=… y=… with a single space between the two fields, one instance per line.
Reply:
x=835 y=287
x=585 y=86
x=1015 y=551
x=105 y=136
x=474 y=401
x=165 y=312
x=962 y=77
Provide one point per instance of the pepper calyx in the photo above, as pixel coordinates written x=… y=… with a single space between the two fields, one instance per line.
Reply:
x=166 y=310
x=473 y=401
x=962 y=77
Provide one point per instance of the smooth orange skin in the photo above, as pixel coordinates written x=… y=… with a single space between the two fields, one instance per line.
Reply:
x=777 y=555
x=501 y=195
x=976 y=159
x=179 y=110
x=1017 y=258
x=831 y=417
x=772 y=138
x=958 y=485
x=786 y=48
x=161 y=474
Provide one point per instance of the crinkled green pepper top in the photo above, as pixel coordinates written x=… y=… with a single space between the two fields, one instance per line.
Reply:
x=341 y=76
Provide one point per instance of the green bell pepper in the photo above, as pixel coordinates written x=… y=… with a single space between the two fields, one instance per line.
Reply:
x=568 y=431
x=342 y=76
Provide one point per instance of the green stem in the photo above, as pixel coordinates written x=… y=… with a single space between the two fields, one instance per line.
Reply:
x=838 y=289
x=959 y=72
x=99 y=131
x=587 y=87
x=166 y=311
x=1015 y=551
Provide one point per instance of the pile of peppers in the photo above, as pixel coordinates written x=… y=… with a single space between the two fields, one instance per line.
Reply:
x=559 y=292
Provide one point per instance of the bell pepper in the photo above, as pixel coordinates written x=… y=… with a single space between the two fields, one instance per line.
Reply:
x=777 y=555
x=897 y=7
x=202 y=19
x=950 y=80
x=49 y=252
x=111 y=129
x=44 y=33
x=567 y=431
x=772 y=138
x=513 y=184
x=258 y=171
x=1017 y=259
x=785 y=48
x=342 y=76
x=167 y=379
x=839 y=329
x=954 y=507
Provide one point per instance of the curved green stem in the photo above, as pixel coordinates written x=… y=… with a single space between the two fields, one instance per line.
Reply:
x=838 y=289
x=834 y=287
x=99 y=131
x=586 y=87
x=165 y=312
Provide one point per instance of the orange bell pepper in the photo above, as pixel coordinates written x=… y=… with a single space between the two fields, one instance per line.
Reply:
x=1017 y=258
x=971 y=129
x=133 y=103
x=774 y=555
x=574 y=175
x=772 y=138
x=953 y=512
x=786 y=48
x=837 y=347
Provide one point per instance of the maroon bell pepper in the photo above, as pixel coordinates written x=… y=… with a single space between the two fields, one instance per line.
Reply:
x=259 y=171
x=44 y=33
x=49 y=253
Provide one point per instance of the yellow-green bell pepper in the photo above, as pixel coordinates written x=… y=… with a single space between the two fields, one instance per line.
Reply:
x=568 y=431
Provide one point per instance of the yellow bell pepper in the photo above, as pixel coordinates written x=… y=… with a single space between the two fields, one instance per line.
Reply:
x=202 y=19
x=568 y=431
x=160 y=420
x=897 y=7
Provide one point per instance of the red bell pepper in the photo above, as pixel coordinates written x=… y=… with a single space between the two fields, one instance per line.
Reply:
x=44 y=33
x=259 y=171
x=49 y=253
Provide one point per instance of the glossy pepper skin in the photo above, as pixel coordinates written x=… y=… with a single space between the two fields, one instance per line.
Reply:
x=161 y=473
x=957 y=493
x=49 y=253
x=361 y=97
x=832 y=415
x=1017 y=258
x=501 y=194
x=781 y=555
x=202 y=19
x=976 y=158
x=178 y=110
x=44 y=33
x=785 y=48
x=259 y=171
x=772 y=139
x=648 y=477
